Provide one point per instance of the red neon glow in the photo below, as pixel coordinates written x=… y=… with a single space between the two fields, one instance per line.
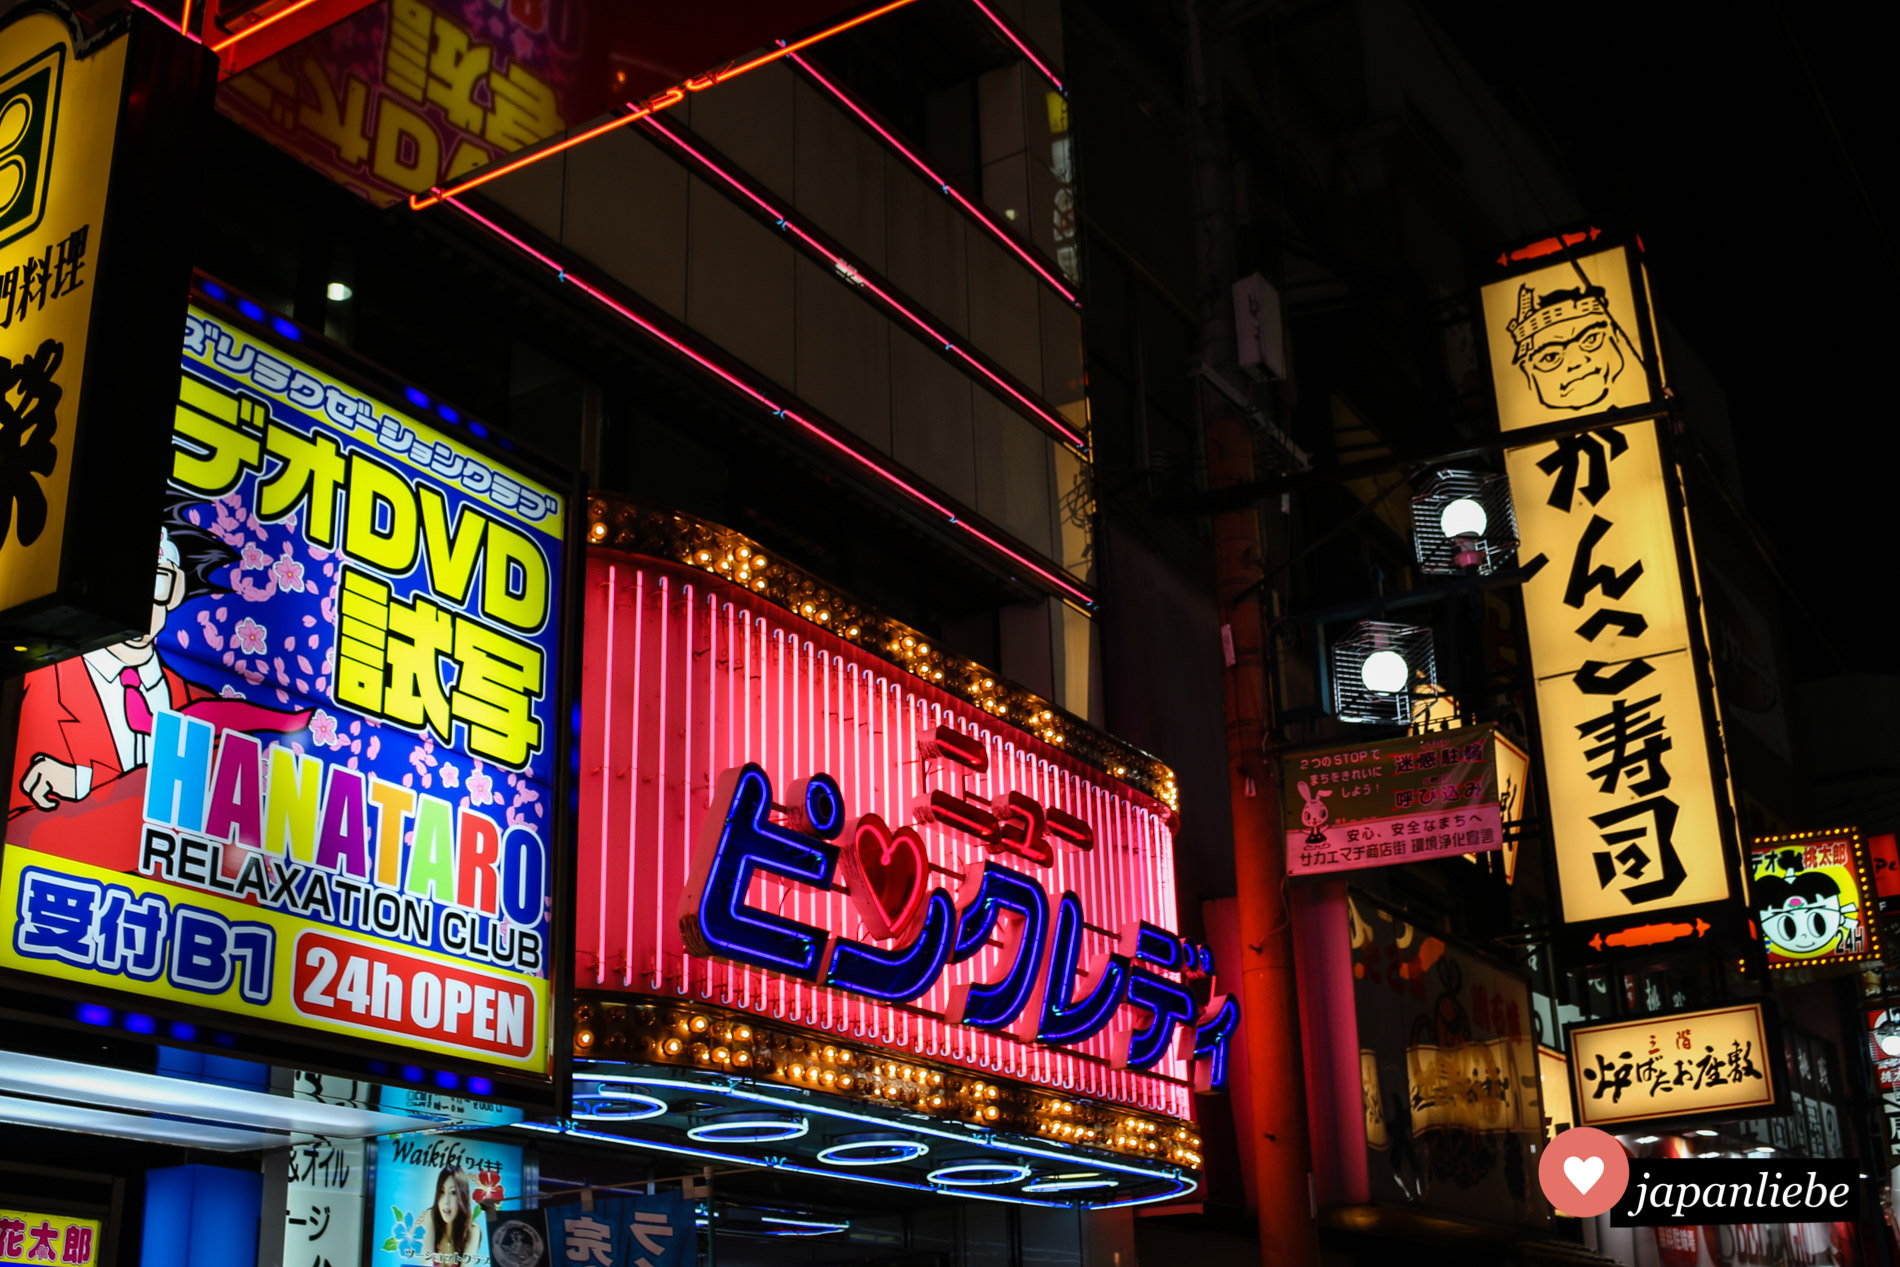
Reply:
x=642 y=109
x=294 y=7
x=1022 y=45
x=979 y=214
x=1049 y=418
x=740 y=385
x=687 y=675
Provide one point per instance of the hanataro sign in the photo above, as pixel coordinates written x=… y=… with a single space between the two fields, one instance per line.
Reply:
x=318 y=788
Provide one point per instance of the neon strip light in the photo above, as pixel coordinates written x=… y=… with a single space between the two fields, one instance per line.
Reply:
x=1074 y=1183
x=671 y=97
x=978 y=213
x=297 y=6
x=808 y=1227
x=732 y=380
x=1021 y=44
x=1049 y=418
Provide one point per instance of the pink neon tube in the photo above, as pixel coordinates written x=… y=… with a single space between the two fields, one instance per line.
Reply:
x=734 y=381
x=976 y=212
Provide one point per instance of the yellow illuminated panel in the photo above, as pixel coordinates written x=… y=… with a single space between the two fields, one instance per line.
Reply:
x=1675 y=1065
x=1565 y=342
x=58 y=117
x=1633 y=799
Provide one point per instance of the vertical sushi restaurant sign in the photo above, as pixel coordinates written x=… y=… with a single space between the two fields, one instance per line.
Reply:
x=317 y=789
x=1401 y=800
x=1641 y=822
x=89 y=132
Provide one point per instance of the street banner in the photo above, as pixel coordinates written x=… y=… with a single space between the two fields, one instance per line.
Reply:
x=1352 y=806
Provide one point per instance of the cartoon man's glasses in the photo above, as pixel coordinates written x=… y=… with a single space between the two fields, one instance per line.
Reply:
x=164 y=584
x=1551 y=355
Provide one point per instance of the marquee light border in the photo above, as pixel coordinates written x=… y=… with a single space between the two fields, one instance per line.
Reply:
x=642 y=528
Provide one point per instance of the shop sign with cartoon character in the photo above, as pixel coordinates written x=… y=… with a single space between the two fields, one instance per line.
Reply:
x=317 y=789
x=1392 y=801
x=1813 y=898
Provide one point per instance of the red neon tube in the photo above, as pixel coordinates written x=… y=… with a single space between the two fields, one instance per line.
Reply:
x=1022 y=45
x=295 y=7
x=778 y=411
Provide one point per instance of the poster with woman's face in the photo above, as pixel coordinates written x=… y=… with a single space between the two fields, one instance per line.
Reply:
x=430 y=1191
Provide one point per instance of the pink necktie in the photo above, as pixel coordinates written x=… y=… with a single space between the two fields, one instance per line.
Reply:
x=138 y=714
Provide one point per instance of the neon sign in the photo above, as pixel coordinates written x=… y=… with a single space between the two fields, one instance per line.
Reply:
x=777 y=822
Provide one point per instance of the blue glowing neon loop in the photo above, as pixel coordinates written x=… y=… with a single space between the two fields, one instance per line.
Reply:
x=1159 y=947
x=1066 y=1020
x=1169 y=1006
x=1182 y=1183
x=720 y=922
x=995 y=1004
x=1069 y=1183
x=902 y=975
x=977 y=1174
x=1212 y=1040
x=873 y=1152
x=613 y=1105
x=761 y=1128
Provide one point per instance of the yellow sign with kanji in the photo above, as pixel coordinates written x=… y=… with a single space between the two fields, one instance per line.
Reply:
x=1635 y=794
x=318 y=790
x=1714 y=1063
x=27 y=1236
x=58 y=124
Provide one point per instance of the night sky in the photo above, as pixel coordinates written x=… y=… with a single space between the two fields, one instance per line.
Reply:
x=1700 y=127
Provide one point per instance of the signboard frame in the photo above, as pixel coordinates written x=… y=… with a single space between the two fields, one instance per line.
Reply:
x=1768 y=1058
x=1867 y=907
x=117 y=433
x=1692 y=924
x=367 y=1057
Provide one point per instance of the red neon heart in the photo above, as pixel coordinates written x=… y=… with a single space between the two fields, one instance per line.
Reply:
x=889 y=874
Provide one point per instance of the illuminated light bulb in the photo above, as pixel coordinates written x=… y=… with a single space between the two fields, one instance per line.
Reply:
x=758 y=561
x=742 y=1058
x=830 y=1077
x=583 y=1038
x=699 y=1024
x=910 y=642
x=704 y=557
x=673 y=1047
x=798 y=1071
x=598 y=531
x=853 y=631
x=1384 y=672
x=824 y=616
x=936 y=1079
x=844 y=1082
x=1463 y=517
x=722 y=1055
x=844 y=1056
x=808 y=609
x=759 y=584
x=743 y=1033
x=990 y=1113
x=923 y=649
x=831 y=1053
x=725 y=565
x=936 y=1101
x=337 y=292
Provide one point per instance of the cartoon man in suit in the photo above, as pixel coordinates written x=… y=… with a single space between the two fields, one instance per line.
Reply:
x=90 y=717
x=86 y=723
